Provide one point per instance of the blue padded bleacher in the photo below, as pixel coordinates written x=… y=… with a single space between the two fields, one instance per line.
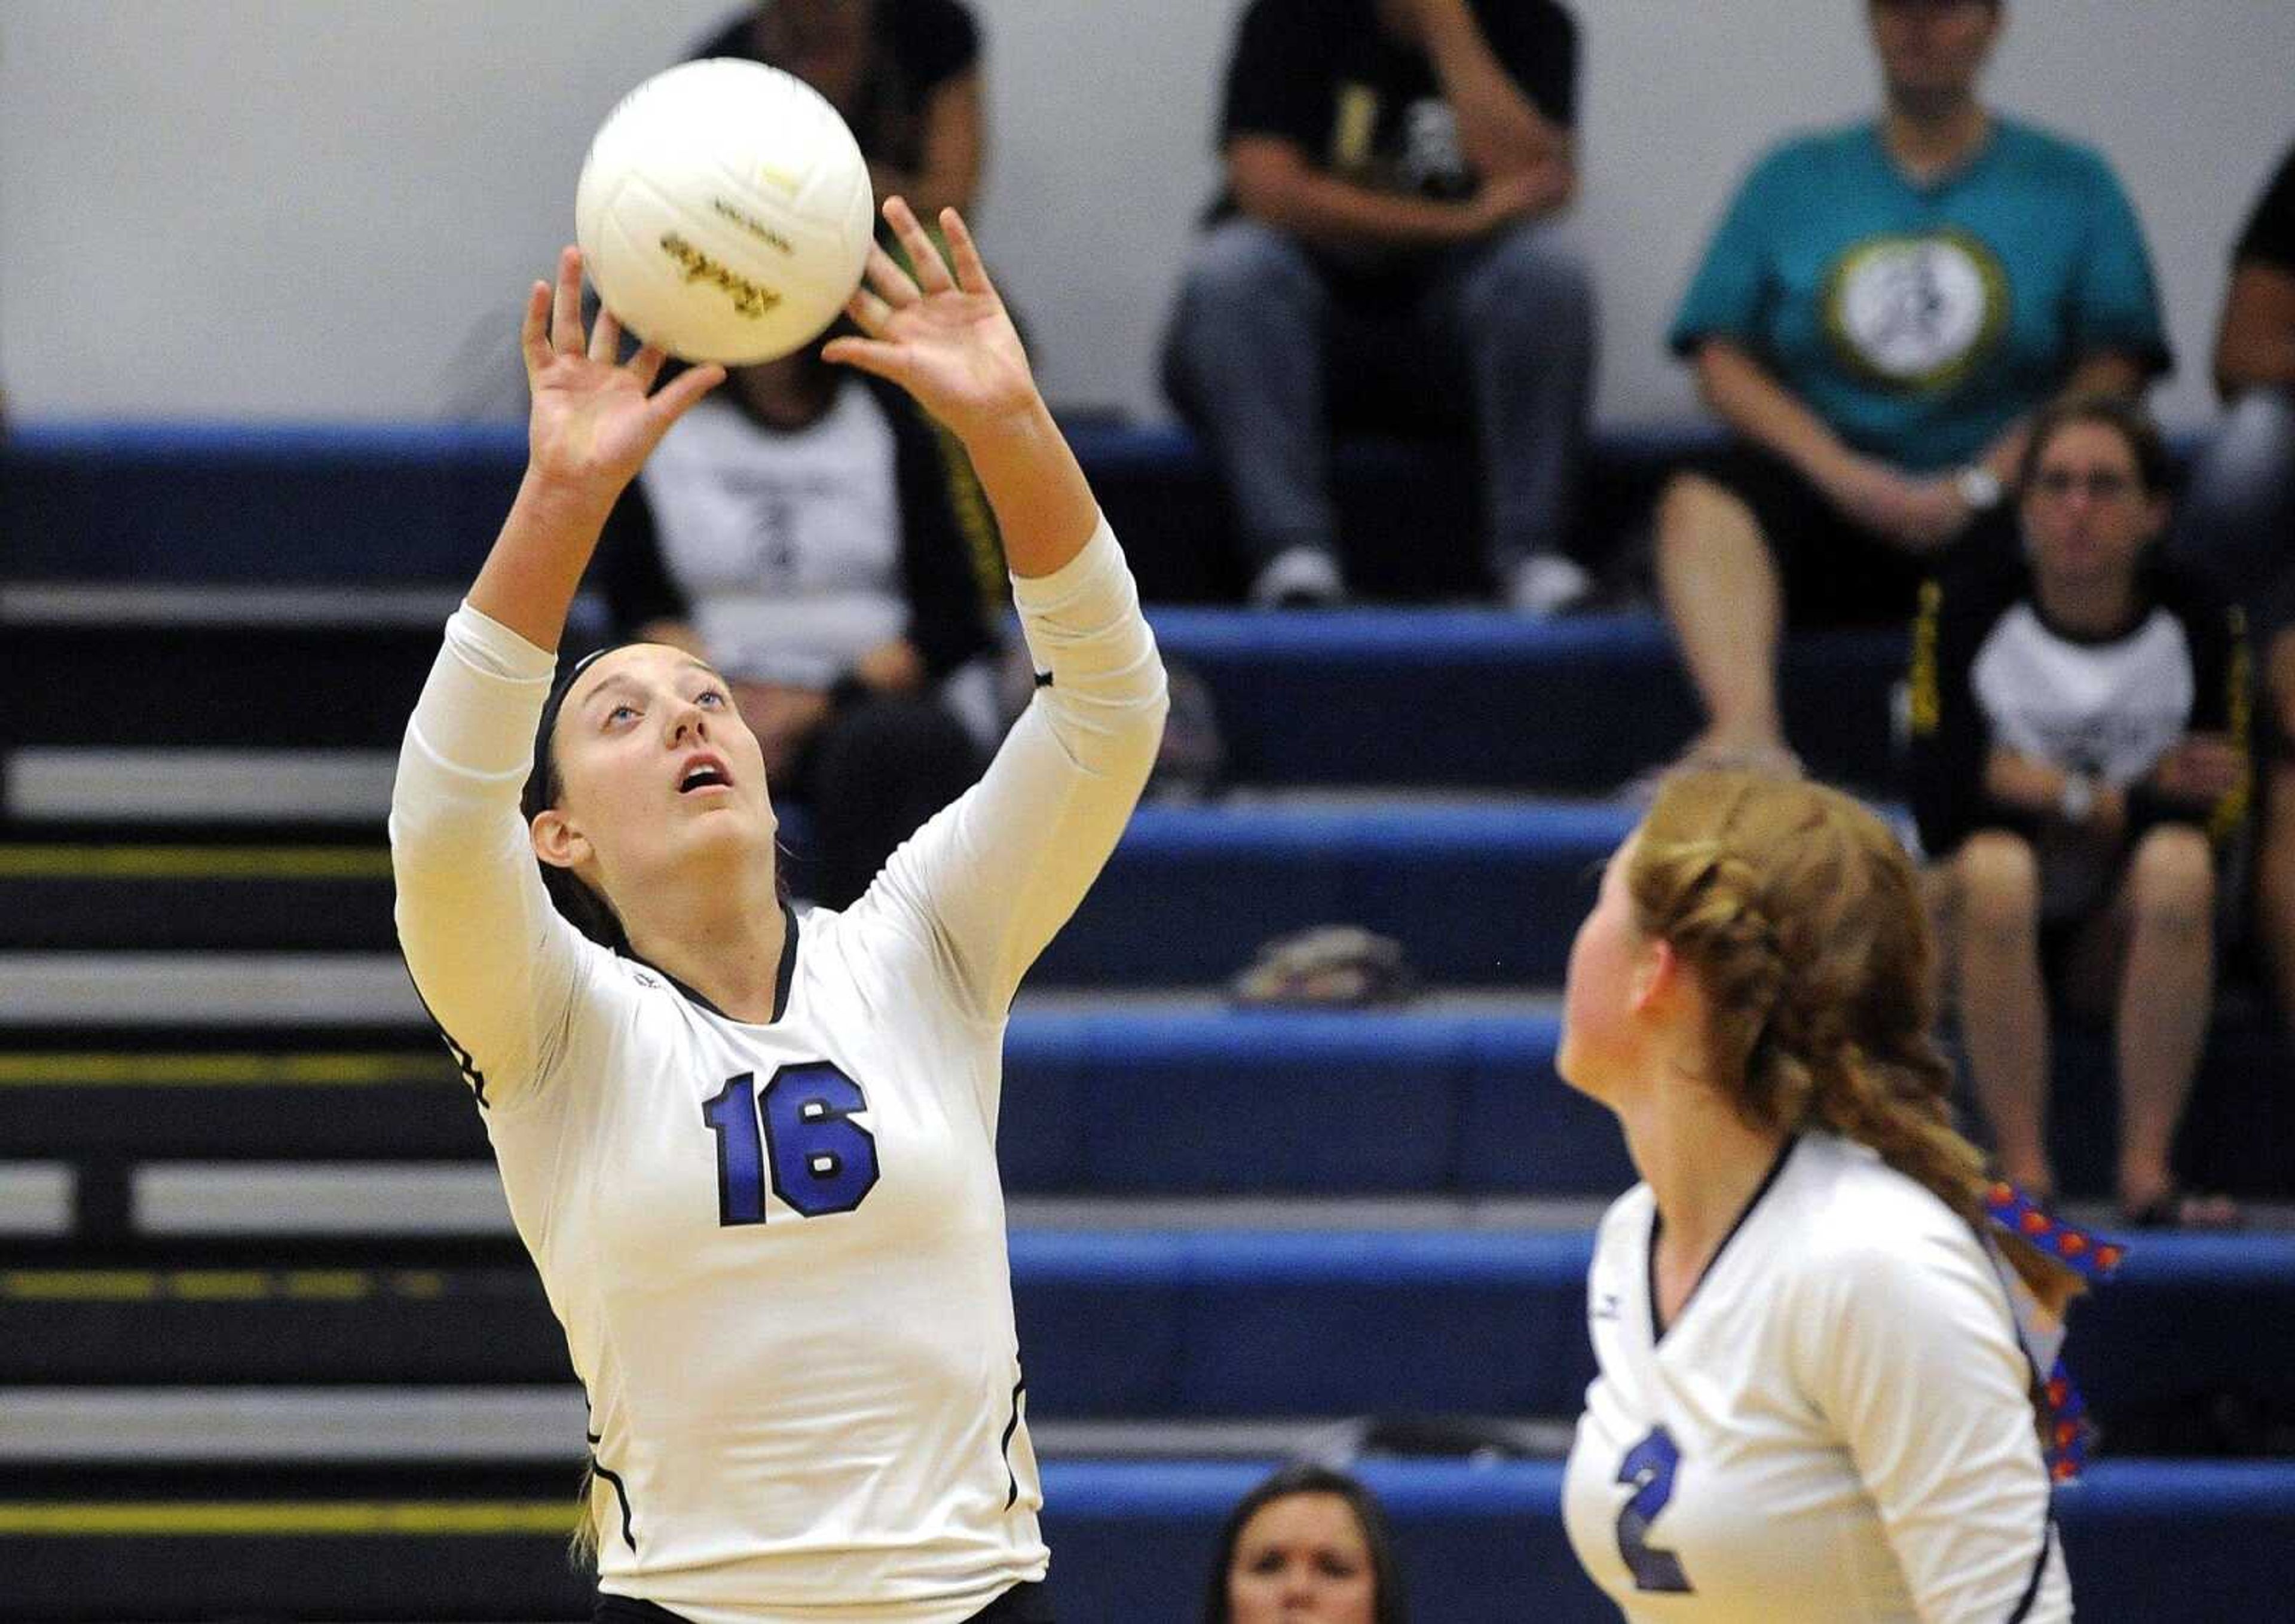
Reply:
x=1479 y=894
x=1284 y=1103
x=1239 y=1323
x=1482 y=698
x=2147 y=1541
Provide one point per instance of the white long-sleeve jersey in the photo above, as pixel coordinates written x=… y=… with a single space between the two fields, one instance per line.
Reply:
x=778 y=1249
x=1836 y=1429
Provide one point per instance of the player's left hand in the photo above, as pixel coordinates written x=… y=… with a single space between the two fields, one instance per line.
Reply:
x=943 y=336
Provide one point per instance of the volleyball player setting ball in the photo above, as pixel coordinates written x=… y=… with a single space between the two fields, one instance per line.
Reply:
x=1815 y=1403
x=753 y=1153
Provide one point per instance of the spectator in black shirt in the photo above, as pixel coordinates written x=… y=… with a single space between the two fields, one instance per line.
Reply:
x=2240 y=523
x=2078 y=765
x=904 y=73
x=1382 y=256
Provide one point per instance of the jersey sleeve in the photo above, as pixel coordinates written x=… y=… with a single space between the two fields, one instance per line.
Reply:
x=2269 y=238
x=2115 y=297
x=1728 y=296
x=1279 y=79
x=1536 y=45
x=494 y=963
x=993 y=877
x=1907 y=1347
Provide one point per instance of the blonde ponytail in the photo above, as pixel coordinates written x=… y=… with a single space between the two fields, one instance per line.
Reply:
x=1801 y=915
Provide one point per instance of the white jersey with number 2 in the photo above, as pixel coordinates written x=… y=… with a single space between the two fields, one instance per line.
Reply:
x=778 y=1248
x=1835 y=1429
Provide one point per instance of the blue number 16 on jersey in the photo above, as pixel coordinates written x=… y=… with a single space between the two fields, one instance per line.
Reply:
x=800 y=1132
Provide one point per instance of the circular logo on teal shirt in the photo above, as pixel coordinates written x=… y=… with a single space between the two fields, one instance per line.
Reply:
x=1916 y=311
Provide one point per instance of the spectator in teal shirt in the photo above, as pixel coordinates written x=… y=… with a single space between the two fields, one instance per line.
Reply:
x=1879 y=315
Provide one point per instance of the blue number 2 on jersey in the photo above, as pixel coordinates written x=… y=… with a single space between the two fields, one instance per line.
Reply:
x=799 y=1133
x=1648 y=1469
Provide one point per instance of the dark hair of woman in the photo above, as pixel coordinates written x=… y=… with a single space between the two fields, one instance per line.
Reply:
x=1305 y=1477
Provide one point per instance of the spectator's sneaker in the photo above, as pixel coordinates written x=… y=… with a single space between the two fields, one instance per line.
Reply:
x=1299 y=577
x=1548 y=584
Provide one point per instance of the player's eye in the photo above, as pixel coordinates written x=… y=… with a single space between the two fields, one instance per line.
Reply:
x=712 y=698
x=619 y=713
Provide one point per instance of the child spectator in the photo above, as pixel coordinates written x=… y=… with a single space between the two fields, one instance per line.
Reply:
x=2079 y=762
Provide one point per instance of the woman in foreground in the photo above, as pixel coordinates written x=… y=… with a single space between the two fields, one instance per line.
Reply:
x=1813 y=1402
x=754 y=1155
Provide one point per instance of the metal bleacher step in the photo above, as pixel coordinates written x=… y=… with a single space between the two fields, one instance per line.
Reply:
x=1480 y=1539
x=94 y=1426
x=1478 y=893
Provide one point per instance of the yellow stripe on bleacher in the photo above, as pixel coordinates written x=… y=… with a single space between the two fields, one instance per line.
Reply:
x=115 y=1519
x=254 y=862
x=212 y=1285
x=244 y=1070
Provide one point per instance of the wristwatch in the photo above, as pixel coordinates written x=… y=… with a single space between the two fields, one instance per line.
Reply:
x=2077 y=799
x=1979 y=488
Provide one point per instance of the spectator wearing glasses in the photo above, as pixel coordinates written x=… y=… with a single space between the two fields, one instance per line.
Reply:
x=2079 y=765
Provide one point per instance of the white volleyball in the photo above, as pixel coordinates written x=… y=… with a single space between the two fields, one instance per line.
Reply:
x=725 y=211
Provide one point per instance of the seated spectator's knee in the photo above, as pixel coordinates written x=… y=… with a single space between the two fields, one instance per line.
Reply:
x=1241 y=261
x=1692 y=509
x=1997 y=890
x=2171 y=880
x=1532 y=281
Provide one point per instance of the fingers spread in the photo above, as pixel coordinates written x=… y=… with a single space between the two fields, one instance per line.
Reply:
x=566 y=318
x=531 y=343
x=885 y=277
x=646 y=365
x=606 y=338
x=924 y=254
x=684 y=390
x=971 y=272
x=869 y=312
x=869 y=354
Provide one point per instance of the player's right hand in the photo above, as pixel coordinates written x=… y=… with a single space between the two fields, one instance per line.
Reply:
x=594 y=418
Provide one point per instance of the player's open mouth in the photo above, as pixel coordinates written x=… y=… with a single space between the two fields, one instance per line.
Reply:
x=703 y=772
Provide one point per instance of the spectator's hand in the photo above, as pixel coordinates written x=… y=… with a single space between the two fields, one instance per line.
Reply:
x=944 y=337
x=781 y=717
x=2204 y=767
x=1919 y=515
x=1519 y=194
x=594 y=417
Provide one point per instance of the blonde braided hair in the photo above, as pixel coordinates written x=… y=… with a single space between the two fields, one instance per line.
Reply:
x=1801 y=918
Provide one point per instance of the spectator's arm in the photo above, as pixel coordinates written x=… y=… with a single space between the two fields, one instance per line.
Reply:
x=2257 y=344
x=1500 y=128
x=1760 y=409
x=954 y=152
x=2106 y=372
x=2207 y=778
x=1273 y=180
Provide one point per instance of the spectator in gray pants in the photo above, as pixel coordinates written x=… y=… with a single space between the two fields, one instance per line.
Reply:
x=1383 y=257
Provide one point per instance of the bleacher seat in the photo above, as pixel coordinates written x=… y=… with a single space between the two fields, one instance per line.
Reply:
x=1225 y=1221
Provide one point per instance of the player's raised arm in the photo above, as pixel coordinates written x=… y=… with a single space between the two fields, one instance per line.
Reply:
x=490 y=956
x=593 y=420
x=1003 y=868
